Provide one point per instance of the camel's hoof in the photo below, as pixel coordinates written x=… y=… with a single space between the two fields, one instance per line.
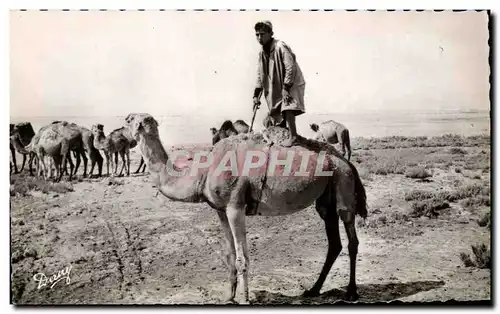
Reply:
x=351 y=296
x=310 y=293
x=246 y=302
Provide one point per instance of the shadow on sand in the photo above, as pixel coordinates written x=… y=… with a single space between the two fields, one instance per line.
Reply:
x=369 y=293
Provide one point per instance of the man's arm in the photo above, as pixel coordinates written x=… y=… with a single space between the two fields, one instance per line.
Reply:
x=289 y=63
x=257 y=93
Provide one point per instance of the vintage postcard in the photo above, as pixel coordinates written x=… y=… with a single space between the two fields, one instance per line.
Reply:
x=249 y=157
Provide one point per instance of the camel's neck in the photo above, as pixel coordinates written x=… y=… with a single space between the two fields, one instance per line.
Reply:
x=179 y=188
x=99 y=141
x=16 y=142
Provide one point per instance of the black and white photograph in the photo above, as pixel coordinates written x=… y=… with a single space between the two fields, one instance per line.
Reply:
x=250 y=157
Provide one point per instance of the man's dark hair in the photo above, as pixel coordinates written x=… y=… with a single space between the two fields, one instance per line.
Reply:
x=260 y=26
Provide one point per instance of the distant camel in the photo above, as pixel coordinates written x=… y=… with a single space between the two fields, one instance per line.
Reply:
x=339 y=193
x=57 y=140
x=95 y=156
x=116 y=142
x=227 y=129
x=20 y=136
x=333 y=132
x=133 y=142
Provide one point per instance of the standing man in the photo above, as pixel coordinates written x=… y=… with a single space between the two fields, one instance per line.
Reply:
x=280 y=78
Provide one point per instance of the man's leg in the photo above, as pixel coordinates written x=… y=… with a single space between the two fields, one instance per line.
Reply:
x=290 y=121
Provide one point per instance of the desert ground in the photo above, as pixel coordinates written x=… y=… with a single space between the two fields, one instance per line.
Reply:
x=428 y=204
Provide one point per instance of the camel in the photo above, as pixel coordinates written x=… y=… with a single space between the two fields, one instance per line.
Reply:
x=20 y=136
x=227 y=129
x=333 y=132
x=339 y=194
x=115 y=143
x=88 y=144
x=133 y=142
x=57 y=140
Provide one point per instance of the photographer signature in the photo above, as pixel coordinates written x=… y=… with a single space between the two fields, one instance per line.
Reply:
x=55 y=278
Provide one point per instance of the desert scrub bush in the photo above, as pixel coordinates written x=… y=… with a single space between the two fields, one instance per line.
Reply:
x=485 y=221
x=418 y=195
x=472 y=190
x=420 y=141
x=477 y=162
x=457 y=151
x=477 y=201
x=482 y=257
x=24 y=184
x=428 y=207
x=417 y=173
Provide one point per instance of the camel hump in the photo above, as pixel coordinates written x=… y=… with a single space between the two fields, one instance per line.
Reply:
x=241 y=126
x=226 y=125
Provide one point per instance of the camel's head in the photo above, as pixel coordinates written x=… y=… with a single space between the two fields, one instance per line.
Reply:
x=314 y=127
x=98 y=130
x=144 y=124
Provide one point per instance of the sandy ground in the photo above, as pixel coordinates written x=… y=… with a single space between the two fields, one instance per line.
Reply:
x=125 y=244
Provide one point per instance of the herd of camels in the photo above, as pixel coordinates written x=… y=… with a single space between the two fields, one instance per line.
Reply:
x=339 y=195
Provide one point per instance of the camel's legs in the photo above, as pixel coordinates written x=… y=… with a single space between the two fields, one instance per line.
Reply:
x=71 y=166
x=108 y=157
x=92 y=163
x=100 y=162
x=124 y=162
x=13 y=151
x=50 y=167
x=350 y=229
x=236 y=217
x=30 y=163
x=85 y=161
x=65 y=153
x=331 y=220
x=78 y=160
x=127 y=153
x=24 y=162
x=95 y=157
x=230 y=255
x=116 y=163
x=140 y=165
x=58 y=166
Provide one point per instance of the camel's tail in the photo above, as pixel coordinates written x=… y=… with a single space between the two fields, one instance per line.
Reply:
x=359 y=190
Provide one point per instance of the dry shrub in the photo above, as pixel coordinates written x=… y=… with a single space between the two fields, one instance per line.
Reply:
x=457 y=151
x=485 y=221
x=482 y=257
x=418 y=195
x=428 y=207
x=476 y=201
x=22 y=185
x=417 y=173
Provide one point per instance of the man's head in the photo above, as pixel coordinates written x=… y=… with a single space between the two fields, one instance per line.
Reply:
x=264 y=32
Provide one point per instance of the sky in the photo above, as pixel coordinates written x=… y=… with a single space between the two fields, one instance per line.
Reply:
x=204 y=63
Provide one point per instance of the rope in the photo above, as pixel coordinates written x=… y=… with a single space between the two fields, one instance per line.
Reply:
x=264 y=179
